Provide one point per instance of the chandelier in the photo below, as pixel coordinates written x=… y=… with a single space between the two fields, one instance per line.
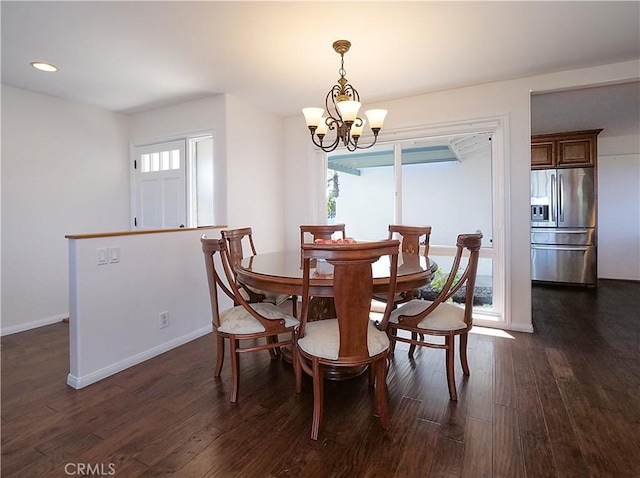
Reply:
x=342 y=104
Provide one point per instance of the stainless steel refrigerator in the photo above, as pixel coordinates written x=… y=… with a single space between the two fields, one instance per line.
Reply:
x=563 y=226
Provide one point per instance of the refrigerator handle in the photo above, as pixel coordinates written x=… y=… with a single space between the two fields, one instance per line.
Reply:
x=560 y=198
x=553 y=197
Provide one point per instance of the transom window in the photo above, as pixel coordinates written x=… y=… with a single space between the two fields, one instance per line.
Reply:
x=160 y=161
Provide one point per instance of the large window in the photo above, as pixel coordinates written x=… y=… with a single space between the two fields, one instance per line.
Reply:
x=447 y=182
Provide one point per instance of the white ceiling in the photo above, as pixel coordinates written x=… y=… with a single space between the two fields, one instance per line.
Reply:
x=130 y=57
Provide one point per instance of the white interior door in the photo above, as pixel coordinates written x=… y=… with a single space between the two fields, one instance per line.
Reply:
x=160 y=185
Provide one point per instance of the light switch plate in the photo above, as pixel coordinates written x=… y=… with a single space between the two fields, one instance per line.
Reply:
x=101 y=256
x=114 y=254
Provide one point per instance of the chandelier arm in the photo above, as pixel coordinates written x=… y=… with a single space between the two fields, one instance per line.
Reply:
x=330 y=104
x=366 y=147
x=325 y=147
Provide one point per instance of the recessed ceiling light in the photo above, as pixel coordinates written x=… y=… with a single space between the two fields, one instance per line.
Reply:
x=42 y=66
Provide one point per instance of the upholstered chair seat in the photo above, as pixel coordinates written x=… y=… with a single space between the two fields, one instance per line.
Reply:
x=237 y=320
x=322 y=338
x=444 y=317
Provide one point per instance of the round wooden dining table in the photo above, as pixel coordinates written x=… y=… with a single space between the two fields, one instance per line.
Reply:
x=281 y=272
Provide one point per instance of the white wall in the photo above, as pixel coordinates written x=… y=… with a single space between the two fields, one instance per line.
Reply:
x=192 y=117
x=366 y=203
x=115 y=308
x=255 y=167
x=64 y=171
x=510 y=99
x=619 y=207
x=248 y=159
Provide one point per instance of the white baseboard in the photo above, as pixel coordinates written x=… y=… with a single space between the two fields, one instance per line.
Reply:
x=522 y=328
x=14 y=329
x=80 y=382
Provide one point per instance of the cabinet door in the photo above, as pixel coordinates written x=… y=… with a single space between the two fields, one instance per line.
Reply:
x=542 y=155
x=576 y=152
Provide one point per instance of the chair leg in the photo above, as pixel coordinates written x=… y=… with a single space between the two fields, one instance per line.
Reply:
x=318 y=380
x=463 y=353
x=297 y=368
x=274 y=352
x=294 y=305
x=392 y=340
x=372 y=375
x=412 y=347
x=220 y=355
x=381 y=391
x=450 y=356
x=235 y=370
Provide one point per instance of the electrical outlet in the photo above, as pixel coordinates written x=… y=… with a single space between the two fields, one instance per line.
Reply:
x=164 y=319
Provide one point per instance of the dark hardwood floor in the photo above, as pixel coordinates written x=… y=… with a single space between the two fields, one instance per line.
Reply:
x=564 y=401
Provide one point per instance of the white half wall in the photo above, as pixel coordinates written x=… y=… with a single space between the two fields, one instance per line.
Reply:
x=114 y=308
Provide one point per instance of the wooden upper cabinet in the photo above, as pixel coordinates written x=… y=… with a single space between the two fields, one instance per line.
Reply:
x=564 y=150
x=543 y=154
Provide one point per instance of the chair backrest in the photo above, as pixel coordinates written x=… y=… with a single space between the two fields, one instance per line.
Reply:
x=352 y=288
x=411 y=237
x=222 y=276
x=213 y=248
x=467 y=245
x=236 y=240
x=320 y=231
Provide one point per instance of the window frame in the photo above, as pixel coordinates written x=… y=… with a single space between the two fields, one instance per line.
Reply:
x=498 y=252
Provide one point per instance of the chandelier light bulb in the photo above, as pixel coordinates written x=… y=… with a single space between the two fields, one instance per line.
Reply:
x=312 y=116
x=348 y=110
x=376 y=118
x=356 y=128
x=322 y=127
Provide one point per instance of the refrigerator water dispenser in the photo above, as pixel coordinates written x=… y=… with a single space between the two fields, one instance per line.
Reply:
x=540 y=212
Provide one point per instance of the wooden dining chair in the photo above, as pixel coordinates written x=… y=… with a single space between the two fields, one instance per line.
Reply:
x=238 y=241
x=243 y=322
x=412 y=238
x=350 y=339
x=423 y=318
x=321 y=231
